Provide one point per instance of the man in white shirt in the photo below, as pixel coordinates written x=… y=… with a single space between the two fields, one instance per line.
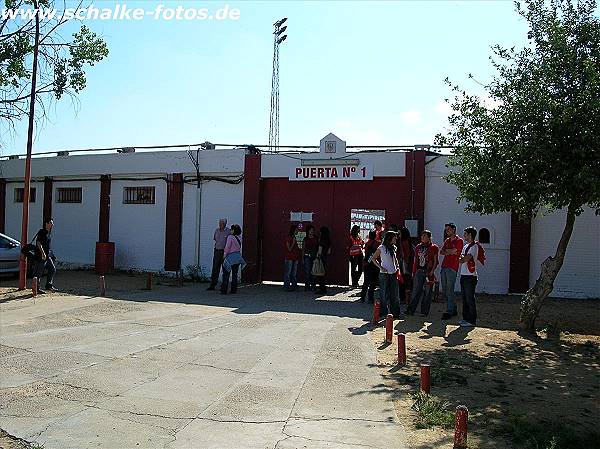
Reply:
x=220 y=238
x=468 y=277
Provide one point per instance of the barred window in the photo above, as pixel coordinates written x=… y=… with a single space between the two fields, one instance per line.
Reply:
x=68 y=195
x=19 y=193
x=138 y=195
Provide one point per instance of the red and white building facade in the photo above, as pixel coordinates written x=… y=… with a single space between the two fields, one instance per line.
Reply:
x=150 y=205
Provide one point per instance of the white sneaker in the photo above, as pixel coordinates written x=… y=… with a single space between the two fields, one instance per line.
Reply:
x=466 y=324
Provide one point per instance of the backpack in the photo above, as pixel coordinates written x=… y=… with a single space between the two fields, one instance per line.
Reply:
x=480 y=256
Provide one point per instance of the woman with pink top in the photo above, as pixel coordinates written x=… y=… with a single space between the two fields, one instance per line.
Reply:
x=232 y=259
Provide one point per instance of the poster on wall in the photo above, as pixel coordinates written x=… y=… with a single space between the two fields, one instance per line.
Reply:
x=362 y=172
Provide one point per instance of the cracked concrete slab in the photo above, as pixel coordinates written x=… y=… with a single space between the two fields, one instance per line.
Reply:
x=263 y=369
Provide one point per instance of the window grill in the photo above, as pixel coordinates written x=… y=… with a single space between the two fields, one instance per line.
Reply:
x=68 y=195
x=19 y=193
x=138 y=195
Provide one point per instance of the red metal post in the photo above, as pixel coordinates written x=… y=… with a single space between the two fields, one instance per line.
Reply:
x=425 y=378
x=148 y=281
x=34 y=287
x=389 y=327
x=460 y=429
x=401 y=349
x=376 y=313
x=102 y=285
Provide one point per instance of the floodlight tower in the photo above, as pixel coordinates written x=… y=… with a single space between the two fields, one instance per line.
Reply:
x=278 y=38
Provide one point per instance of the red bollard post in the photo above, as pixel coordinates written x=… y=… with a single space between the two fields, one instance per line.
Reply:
x=34 y=287
x=401 y=349
x=148 y=281
x=460 y=428
x=425 y=378
x=102 y=285
x=376 y=313
x=389 y=327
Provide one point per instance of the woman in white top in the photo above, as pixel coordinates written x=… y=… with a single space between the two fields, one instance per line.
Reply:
x=385 y=259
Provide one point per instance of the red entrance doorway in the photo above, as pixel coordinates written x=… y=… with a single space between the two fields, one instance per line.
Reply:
x=330 y=203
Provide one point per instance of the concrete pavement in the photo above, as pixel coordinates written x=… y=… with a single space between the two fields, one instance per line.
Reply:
x=182 y=368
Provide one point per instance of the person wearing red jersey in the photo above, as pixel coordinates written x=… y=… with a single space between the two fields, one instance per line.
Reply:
x=451 y=250
x=426 y=261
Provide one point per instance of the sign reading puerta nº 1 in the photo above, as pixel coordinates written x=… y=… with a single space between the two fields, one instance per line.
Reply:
x=361 y=172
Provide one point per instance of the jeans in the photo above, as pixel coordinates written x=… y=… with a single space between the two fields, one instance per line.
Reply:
x=48 y=264
x=216 y=267
x=234 y=279
x=448 y=282
x=290 y=269
x=309 y=279
x=388 y=285
x=467 y=289
x=421 y=292
x=356 y=268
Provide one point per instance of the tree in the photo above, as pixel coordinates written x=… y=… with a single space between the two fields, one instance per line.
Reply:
x=537 y=149
x=61 y=62
x=30 y=32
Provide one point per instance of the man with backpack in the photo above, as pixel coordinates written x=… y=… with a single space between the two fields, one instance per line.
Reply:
x=472 y=252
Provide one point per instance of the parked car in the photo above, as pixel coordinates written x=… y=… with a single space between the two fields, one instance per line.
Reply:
x=10 y=252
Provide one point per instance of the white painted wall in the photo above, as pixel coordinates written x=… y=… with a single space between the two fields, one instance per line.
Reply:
x=75 y=231
x=14 y=211
x=211 y=161
x=441 y=207
x=219 y=200
x=580 y=274
x=138 y=230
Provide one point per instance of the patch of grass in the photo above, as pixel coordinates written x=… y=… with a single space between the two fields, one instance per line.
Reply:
x=431 y=412
x=528 y=434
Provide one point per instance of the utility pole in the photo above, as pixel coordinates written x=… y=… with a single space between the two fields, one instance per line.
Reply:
x=27 y=186
x=278 y=38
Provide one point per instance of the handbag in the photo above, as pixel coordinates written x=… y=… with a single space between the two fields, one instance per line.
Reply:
x=318 y=269
x=30 y=251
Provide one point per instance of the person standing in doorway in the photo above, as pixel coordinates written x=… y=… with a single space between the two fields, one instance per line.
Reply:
x=232 y=259
x=370 y=270
x=378 y=231
x=323 y=253
x=290 y=263
x=468 y=277
x=451 y=251
x=355 y=248
x=426 y=261
x=43 y=240
x=310 y=246
x=220 y=238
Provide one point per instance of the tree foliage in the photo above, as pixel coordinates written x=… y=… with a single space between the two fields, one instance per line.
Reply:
x=62 y=61
x=538 y=144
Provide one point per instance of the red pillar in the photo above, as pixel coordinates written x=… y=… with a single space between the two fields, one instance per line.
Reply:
x=252 y=218
x=415 y=171
x=2 y=205
x=47 y=214
x=520 y=244
x=104 y=217
x=173 y=222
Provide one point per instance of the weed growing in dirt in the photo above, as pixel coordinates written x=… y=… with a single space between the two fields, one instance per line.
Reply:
x=431 y=411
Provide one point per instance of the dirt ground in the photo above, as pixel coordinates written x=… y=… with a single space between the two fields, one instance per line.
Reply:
x=520 y=390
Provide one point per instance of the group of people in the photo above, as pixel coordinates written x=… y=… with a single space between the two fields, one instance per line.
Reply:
x=406 y=273
x=227 y=257
x=314 y=254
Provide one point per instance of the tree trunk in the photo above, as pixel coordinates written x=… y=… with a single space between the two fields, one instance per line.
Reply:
x=535 y=296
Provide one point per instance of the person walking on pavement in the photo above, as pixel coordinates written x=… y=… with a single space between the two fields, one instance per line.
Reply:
x=451 y=250
x=220 y=238
x=232 y=259
x=45 y=257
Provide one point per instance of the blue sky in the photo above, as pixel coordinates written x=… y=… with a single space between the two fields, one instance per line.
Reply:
x=371 y=72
